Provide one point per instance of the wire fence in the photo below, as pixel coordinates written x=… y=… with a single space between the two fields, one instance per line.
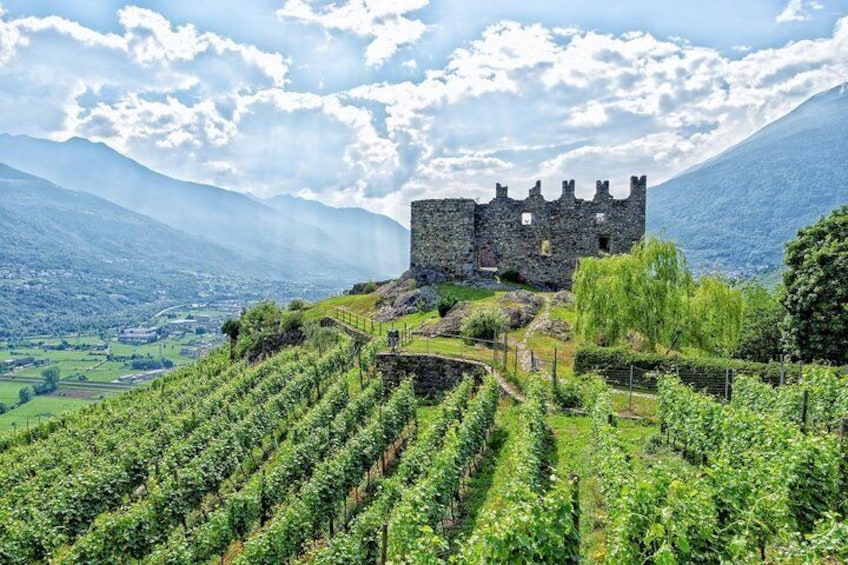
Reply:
x=372 y=326
x=717 y=382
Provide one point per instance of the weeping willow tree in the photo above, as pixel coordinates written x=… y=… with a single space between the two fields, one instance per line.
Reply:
x=652 y=292
x=718 y=308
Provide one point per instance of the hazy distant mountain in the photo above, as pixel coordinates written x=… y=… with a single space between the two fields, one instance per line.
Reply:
x=71 y=260
x=290 y=247
x=358 y=232
x=735 y=211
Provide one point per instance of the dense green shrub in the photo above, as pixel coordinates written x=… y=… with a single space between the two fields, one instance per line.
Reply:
x=605 y=359
x=483 y=324
x=322 y=338
x=297 y=304
x=568 y=394
x=512 y=275
x=265 y=329
x=445 y=303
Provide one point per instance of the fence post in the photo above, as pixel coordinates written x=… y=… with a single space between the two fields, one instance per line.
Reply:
x=726 y=385
x=575 y=501
x=359 y=355
x=630 y=394
x=843 y=435
x=805 y=398
x=385 y=543
x=554 y=370
x=532 y=361
x=515 y=362
x=782 y=369
x=506 y=349
x=495 y=348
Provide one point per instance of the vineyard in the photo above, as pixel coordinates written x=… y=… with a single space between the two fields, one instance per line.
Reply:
x=307 y=457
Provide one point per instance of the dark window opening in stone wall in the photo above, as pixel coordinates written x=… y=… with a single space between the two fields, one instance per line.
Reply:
x=545 y=250
x=604 y=243
x=526 y=218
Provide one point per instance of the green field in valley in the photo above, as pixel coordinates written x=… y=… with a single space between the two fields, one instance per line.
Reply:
x=39 y=407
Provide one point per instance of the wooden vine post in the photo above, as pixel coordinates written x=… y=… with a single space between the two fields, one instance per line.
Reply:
x=384 y=543
x=554 y=371
x=843 y=463
x=805 y=399
x=575 y=501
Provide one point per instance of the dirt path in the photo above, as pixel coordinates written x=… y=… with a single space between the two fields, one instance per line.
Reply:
x=508 y=388
x=542 y=319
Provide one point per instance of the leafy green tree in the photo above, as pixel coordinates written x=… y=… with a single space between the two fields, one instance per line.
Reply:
x=761 y=336
x=651 y=292
x=231 y=328
x=816 y=290
x=298 y=304
x=50 y=382
x=3 y=408
x=646 y=291
x=717 y=309
x=25 y=394
x=266 y=328
x=51 y=377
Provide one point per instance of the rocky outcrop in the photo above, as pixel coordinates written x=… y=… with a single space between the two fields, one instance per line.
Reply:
x=521 y=306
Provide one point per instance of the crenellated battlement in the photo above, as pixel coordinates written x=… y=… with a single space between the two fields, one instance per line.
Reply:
x=638 y=188
x=542 y=239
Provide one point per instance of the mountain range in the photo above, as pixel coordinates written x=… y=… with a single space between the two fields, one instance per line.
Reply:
x=734 y=213
x=93 y=239
x=291 y=237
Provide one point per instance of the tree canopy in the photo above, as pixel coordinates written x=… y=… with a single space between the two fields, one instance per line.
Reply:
x=816 y=290
x=264 y=329
x=651 y=292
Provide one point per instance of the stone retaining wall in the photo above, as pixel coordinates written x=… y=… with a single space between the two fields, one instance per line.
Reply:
x=432 y=374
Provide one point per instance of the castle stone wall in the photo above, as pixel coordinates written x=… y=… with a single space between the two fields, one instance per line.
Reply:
x=541 y=239
x=443 y=236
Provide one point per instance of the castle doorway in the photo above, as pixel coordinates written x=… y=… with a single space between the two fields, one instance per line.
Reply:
x=486 y=258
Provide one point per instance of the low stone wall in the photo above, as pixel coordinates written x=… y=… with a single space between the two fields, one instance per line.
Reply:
x=431 y=374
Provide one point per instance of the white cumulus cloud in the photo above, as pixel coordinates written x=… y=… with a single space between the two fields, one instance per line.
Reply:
x=383 y=23
x=798 y=11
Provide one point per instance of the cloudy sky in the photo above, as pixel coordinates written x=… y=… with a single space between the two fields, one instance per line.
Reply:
x=376 y=103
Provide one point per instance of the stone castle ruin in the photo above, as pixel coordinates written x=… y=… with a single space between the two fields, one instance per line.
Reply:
x=540 y=239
